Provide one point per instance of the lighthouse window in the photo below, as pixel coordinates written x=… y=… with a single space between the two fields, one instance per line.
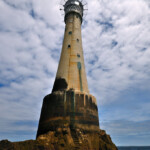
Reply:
x=78 y=55
x=77 y=3
x=69 y=46
x=77 y=40
x=70 y=32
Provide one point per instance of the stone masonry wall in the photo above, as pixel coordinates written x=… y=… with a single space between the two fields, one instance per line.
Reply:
x=76 y=109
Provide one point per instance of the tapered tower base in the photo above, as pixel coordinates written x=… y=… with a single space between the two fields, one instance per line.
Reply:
x=68 y=108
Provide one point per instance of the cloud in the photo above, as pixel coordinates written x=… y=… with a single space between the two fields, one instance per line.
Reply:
x=128 y=133
x=29 y=56
x=116 y=50
x=120 y=46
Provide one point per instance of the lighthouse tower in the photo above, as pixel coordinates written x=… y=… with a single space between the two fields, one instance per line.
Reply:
x=70 y=102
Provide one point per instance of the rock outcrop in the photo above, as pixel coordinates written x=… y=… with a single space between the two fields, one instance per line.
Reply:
x=64 y=139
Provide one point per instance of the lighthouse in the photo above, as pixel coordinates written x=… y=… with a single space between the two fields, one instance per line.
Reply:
x=70 y=102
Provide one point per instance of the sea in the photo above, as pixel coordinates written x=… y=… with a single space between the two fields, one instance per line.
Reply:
x=133 y=147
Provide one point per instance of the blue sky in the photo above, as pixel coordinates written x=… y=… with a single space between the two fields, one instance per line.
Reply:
x=117 y=58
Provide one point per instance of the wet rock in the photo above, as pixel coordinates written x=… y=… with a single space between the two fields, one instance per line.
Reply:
x=57 y=140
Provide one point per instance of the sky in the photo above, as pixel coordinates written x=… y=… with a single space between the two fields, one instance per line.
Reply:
x=116 y=43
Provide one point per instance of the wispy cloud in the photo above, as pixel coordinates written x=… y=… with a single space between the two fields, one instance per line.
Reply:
x=121 y=45
x=129 y=133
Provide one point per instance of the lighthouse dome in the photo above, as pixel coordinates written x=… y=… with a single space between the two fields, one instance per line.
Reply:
x=73 y=6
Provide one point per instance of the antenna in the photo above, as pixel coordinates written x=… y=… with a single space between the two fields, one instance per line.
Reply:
x=61 y=7
x=85 y=9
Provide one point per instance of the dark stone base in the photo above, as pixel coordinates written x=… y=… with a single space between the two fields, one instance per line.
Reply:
x=74 y=109
x=64 y=139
